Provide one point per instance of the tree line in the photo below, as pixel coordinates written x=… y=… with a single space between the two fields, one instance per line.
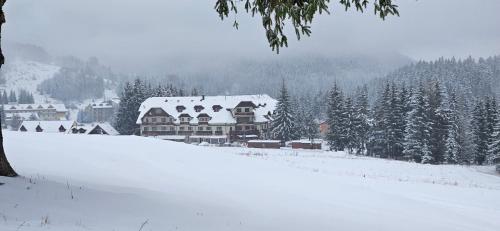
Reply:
x=23 y=97
x=425 y=123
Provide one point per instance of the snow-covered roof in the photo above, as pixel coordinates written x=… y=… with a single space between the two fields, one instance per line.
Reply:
x=264 y=105
x=22 y=115
x=47 y=126
x=28 y=107
x=104 y=126
x=107 y=128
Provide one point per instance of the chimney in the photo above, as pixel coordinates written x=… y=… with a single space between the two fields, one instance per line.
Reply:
x=202 y=97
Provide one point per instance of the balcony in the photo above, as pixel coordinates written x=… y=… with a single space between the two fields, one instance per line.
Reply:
x=244 y=114
x=158 y=133
x=204 y=133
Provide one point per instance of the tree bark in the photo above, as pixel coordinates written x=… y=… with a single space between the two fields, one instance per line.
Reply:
x=5 y=168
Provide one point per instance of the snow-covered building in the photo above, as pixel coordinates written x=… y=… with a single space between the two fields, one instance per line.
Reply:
x=223 y=118
x=46 y=112
x=58 y=126
x=95 y=129
x=100 y=112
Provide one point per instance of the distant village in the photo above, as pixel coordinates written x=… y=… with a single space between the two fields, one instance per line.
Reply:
x=204 y=120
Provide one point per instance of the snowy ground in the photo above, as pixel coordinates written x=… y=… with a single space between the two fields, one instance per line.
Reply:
x=74 y=182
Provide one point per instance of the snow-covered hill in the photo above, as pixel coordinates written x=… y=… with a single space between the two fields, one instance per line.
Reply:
x=27 y=75
x=76 y=182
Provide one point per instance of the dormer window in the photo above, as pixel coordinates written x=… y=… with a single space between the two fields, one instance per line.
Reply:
x=180 y=108
x=40 y=107
x=29 y=107
x=198 y=108
x=62 y=129
x=50 y=106
x=217 y=108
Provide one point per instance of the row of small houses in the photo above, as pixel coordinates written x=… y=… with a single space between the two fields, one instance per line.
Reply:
x=67 y=127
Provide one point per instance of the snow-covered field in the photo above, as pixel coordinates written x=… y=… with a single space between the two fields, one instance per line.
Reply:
x=74 y=182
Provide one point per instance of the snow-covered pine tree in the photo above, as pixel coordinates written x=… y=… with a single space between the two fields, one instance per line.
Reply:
x=361 y=124
x=349 y=125
x=378 y=141
x=128 y=111
x=395 y=125
x=335 y=119
x=452 y=145
x=480 y=133
x=494 y=147
x=438 y=117
x=493 y=130
x=5 y=98
x=12 y=97
x=283 y=122
x=416 y=140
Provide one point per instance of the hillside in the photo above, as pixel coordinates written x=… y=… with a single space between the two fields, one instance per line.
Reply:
x=27 y=75
x=76 y=182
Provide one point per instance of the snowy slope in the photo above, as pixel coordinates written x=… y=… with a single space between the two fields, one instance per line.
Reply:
x=27 y=75
x=118 y=183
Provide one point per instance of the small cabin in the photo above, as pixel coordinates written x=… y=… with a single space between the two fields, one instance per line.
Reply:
x=272 y=144
x=307 y=144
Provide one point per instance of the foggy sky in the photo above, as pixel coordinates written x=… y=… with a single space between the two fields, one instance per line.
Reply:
x=134 y=35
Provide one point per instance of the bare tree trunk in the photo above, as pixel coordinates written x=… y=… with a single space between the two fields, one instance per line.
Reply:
x=5 y=168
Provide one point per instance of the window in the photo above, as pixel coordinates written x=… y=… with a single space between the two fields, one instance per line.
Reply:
x=247 y=109
x=154 y=128
x=247 y=127
x=190 y=128
x=238 y=110
x=163 y=128
x=209 y=128
x=219 y=128
x=153 y=120
x=200 y=128
x=238 y=128
x=146 y=128
x=146 y=120
x=181 y=128
x=163 y=120
x=172 y=128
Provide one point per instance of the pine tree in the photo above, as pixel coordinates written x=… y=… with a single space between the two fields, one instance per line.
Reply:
x=361 y=119
x=416 y=140
x=12 y=97
x=480 y=133
x=5 y=98
x=349 y=125
x=335 y=119
x=379 y=137
x=452 y=144
x=493 y=131
x=438 y=117
x=494 y=147
x=283 y=122
x=128 y=111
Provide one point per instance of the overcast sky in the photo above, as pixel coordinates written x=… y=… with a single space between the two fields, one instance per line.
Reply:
x=136 y=33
